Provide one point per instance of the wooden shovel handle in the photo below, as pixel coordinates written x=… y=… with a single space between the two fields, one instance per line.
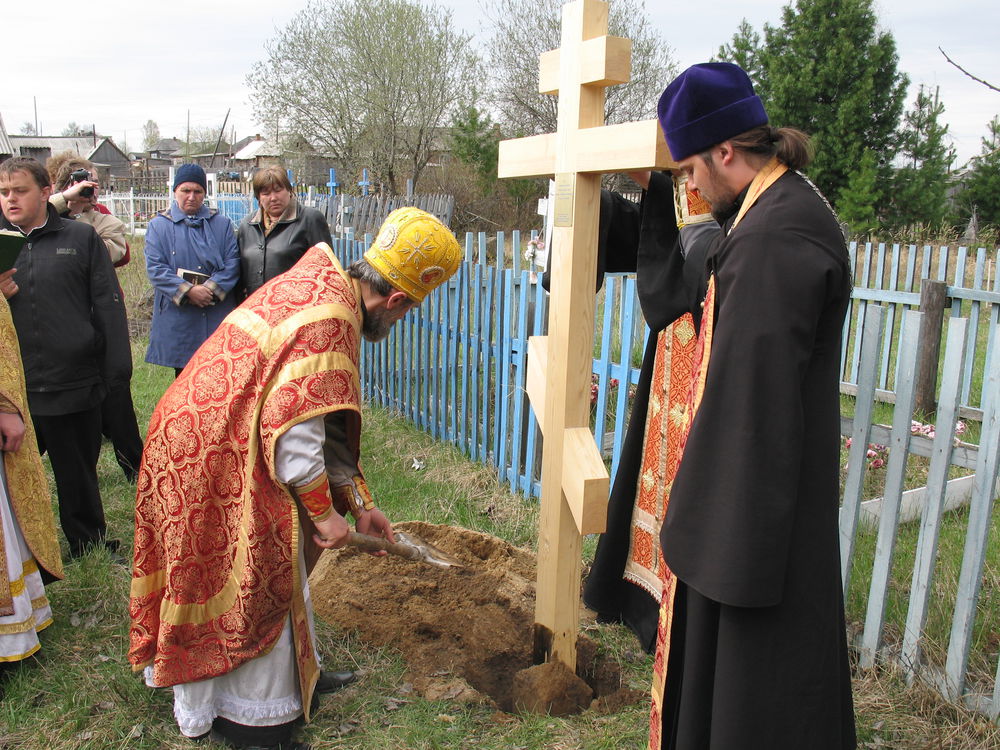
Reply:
x=374 y=543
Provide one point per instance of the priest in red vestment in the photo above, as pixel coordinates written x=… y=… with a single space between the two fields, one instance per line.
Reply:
x=250 y=464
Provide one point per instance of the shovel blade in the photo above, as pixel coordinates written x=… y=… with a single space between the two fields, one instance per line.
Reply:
x=428 y=552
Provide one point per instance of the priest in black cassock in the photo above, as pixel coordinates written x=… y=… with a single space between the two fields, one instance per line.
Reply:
x=741 y=464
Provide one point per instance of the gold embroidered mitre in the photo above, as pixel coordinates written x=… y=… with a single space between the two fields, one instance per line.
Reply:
x=414 y=251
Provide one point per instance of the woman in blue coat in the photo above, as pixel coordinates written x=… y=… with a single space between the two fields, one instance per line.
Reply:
x=193 y=264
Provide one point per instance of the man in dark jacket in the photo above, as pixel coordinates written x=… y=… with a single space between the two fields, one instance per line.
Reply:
x=70 y=322
x=274 y=237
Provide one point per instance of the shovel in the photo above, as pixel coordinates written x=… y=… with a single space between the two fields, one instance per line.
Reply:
x=406 y=545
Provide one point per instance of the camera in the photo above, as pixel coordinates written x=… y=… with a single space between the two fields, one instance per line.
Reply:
x=82 y=175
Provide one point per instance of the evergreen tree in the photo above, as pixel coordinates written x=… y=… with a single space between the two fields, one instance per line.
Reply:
x=745 y=50
x=981 y=190
x=829 y=70
x=920 y=184
x=858 y=200
x=475 y=141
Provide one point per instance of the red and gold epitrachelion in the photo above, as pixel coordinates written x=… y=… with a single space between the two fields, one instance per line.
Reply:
x=681 y=417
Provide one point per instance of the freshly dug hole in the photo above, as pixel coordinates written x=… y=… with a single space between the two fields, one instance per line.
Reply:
x=467 y=633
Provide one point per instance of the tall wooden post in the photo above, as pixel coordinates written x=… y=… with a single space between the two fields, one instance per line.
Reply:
x=575 y=482
x=933 y=295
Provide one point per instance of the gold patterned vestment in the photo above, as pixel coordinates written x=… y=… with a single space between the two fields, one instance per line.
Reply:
x=28 y=488
x=217 y=536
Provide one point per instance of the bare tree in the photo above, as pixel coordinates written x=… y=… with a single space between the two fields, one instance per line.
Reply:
x=524 y=29
x=987 y=84
x=202 y=139
x=28 y=128
x=74 y=130
x=150 y=135
x=370 y=83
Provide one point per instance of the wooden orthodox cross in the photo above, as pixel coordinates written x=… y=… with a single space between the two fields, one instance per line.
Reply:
x=574 y=479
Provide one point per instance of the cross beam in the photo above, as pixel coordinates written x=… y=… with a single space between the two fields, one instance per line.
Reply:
x=575 y=481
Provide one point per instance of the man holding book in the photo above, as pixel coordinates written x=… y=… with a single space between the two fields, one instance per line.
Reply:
x=193 y=264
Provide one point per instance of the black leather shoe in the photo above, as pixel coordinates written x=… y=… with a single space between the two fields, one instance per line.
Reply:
x=331 y=682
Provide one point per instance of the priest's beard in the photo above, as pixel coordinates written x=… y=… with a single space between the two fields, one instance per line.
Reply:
x=375 y=325
x=720 y=196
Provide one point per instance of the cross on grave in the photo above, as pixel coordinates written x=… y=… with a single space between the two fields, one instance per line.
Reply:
x=333 y=184
x=574 y=479
x=364 y=183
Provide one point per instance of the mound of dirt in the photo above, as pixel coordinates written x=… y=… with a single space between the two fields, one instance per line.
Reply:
x=466 y=633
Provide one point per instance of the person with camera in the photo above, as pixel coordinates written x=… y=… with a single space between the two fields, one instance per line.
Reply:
x=77 y=200
x=70 y=322
x=78 y=187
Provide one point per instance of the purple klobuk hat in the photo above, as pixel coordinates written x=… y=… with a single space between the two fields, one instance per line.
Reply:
x=708 y=104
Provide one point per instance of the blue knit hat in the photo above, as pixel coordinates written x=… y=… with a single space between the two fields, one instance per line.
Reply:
x=708 y=104
x=190 y=173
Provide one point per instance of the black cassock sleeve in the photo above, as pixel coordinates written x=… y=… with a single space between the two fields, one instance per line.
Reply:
x=644 y=239
x=670 y=277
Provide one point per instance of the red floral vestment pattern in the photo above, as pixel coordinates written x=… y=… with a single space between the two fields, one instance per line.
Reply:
x=217 y=536
x=668 y=394
x=700 y=355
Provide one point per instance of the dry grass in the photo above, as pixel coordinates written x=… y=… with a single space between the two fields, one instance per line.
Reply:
x=891 y=714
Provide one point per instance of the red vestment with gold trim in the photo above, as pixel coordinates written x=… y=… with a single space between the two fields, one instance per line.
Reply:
x=217 y=536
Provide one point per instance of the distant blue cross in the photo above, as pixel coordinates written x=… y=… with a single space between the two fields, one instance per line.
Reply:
x=333 y=184
x=364 y=181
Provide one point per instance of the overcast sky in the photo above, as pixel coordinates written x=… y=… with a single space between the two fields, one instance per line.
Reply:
x=130 y=62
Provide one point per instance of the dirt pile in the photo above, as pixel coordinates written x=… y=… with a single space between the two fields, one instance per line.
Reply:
x=466 y=634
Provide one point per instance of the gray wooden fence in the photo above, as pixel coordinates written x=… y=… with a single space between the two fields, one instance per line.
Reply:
x=947 y=667
x=363 y=214
x=893 y=276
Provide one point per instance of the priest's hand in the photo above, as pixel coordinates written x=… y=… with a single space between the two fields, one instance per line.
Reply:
x=374 y=523
x=11 y=432
x=332 y=531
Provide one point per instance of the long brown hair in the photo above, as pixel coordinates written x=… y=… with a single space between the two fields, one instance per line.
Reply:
x=792 y=147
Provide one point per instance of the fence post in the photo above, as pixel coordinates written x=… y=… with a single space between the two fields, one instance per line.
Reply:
x=932 y=298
